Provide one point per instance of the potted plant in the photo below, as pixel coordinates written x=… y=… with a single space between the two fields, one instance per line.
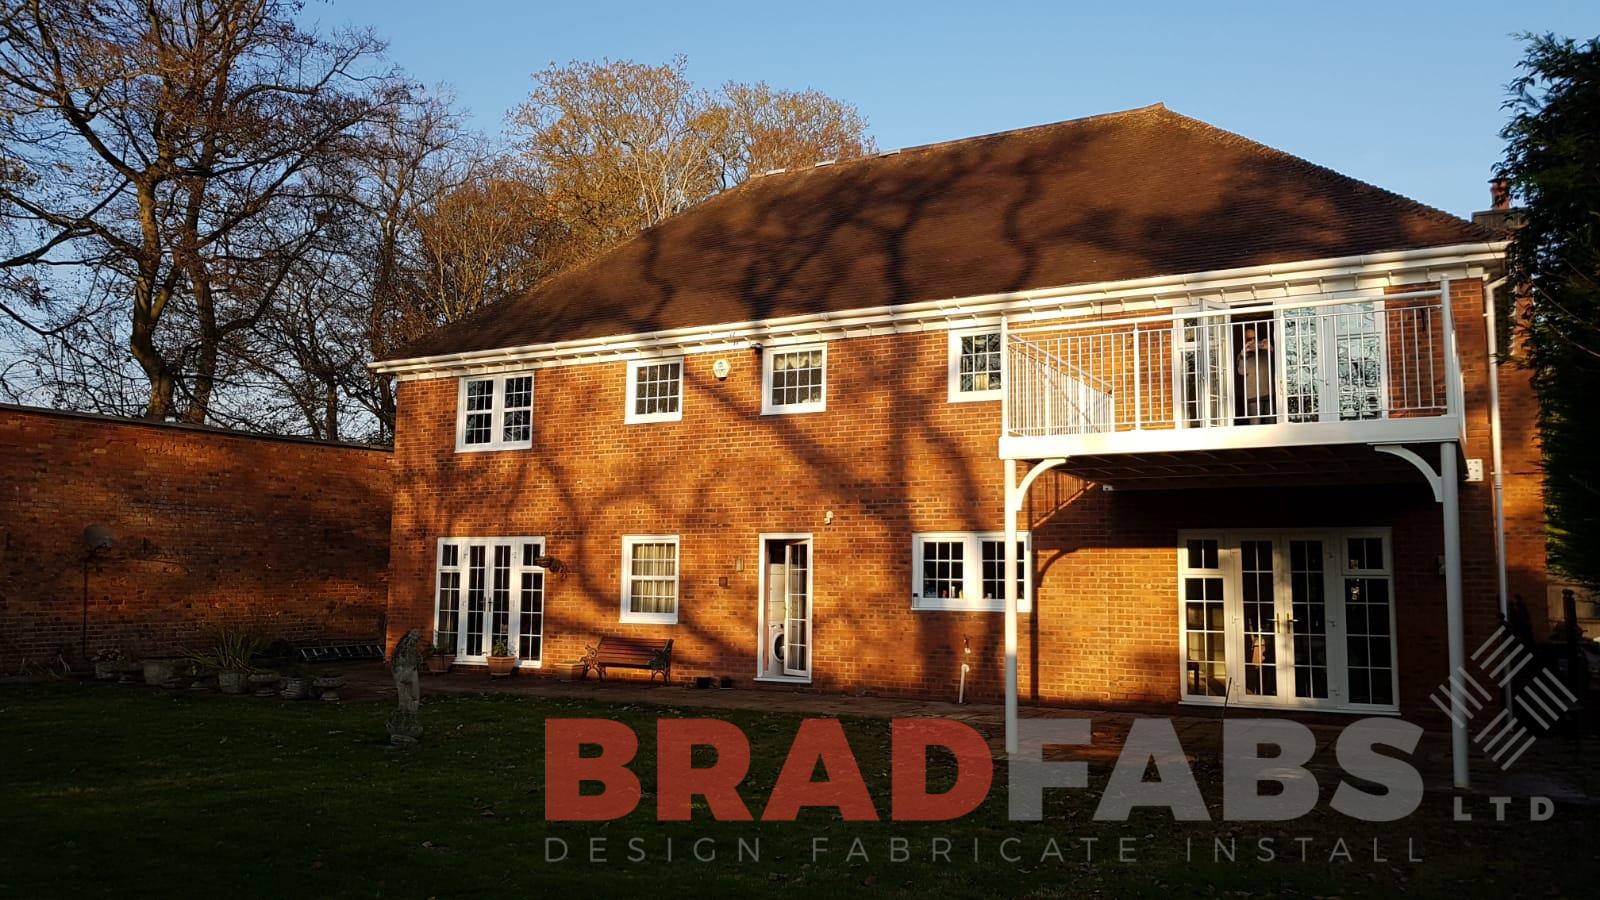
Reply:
x=230 y=658
x=439 y=658
x=501 y=660
x=109 y=664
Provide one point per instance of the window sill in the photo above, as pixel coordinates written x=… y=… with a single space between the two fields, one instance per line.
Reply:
x=783 y=679
x=793 y=410
x=491 y=448
x=648 y=619
x=651 y=419
x=1344 y=710
x=975 y=397
x=1023 y=606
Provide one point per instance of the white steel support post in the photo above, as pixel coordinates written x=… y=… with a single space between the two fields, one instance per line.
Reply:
x=1015 y=495
x=1447 y=492
x=1013 y=503
x=1455 y=619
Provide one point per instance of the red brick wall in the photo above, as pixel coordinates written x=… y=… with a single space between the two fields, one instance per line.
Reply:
x=210 y=525
x=888 y=458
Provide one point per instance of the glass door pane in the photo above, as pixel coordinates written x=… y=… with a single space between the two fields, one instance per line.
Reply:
x=1205 y=660
x=1358 y=347
x=1201 y=346
x=476 y=602
x=530 y=607
x=500 y=599
x=797 y=611
x=1368 y=619
x=1257 y=595
x=1302 y=365
x=1309 y=626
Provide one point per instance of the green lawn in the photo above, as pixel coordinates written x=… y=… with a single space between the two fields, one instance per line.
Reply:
x=122 y=791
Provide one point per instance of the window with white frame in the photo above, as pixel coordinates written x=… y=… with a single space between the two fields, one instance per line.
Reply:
x=495 y=412
x=655 y=390
x=966 y=571
x=490 y=590
x=650 y=579
x=974 y=365
x=794 y=379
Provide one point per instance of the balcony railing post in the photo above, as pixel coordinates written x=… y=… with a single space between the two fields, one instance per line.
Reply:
x=1005 y=376
x=1452 y=361
x=1138 y=378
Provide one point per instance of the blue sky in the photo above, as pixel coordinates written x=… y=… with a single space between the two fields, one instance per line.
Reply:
x=1405 y=95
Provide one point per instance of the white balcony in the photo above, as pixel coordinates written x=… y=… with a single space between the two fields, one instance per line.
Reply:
x=1319 y=371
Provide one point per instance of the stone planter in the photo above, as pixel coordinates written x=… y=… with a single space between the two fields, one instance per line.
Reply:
x=572 y=671
x=502 y=666
x=440 y=663
x=108 y=670
x=232 y=682
x=265 y=684
x=160 y=672
x=296 y=687
x=327 y=687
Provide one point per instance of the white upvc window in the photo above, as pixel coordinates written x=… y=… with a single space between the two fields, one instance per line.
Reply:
x=655 y=390
x=495 y=412
x=975 y=365
x=964 y=570
x=650 y=579
x=490 y=590
x=794 y=379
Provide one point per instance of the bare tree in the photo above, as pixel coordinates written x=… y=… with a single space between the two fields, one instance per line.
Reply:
x=620 y=145
x=188 y=145
x=491 y=237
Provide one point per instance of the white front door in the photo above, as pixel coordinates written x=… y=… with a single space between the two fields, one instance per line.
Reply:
x=1301 y=618
x=785 y=615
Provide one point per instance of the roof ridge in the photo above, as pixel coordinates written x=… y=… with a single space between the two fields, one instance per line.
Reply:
x=1148 y=109
x=1327 y=173
x=595 y=259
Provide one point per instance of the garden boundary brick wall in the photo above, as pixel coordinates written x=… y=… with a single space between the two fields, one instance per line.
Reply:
x=891 y=457
x=211 y=526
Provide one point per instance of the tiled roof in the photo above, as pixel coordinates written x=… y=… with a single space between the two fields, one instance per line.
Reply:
x=1125 y=195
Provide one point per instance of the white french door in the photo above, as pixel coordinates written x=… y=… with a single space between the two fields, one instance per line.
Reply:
x=1201 y=367
x=490 y=590
x=1301 y=618
x=1334 y=363
x=784 y=619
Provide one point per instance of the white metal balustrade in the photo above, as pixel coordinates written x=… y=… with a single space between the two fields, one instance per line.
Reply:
x=1347 y=359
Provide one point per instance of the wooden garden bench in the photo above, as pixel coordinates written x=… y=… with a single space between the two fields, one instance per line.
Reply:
x=629 y=653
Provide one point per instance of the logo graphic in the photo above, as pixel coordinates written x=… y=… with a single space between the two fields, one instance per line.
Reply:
x=1542 y=699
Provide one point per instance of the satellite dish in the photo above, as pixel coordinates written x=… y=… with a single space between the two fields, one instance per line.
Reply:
x=97 y=538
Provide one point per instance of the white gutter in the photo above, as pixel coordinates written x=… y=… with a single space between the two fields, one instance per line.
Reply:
x=1490 y=315
x=1040 y=303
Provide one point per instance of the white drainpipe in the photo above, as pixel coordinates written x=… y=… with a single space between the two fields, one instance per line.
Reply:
x=1490 y=316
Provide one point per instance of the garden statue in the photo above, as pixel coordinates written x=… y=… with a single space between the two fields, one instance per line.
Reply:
x=404 y=727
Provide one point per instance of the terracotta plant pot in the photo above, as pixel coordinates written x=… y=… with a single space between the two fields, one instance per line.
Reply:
x=502 y=666
x=232 y=682
x=440 y=663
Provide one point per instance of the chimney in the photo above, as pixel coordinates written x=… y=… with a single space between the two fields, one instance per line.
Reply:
x=1499 y=216
x=1499 y=193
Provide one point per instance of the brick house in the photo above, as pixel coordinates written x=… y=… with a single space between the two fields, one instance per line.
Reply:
x=1233 y=397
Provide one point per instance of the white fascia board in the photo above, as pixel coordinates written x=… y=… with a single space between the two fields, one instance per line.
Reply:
x=1301 y=278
